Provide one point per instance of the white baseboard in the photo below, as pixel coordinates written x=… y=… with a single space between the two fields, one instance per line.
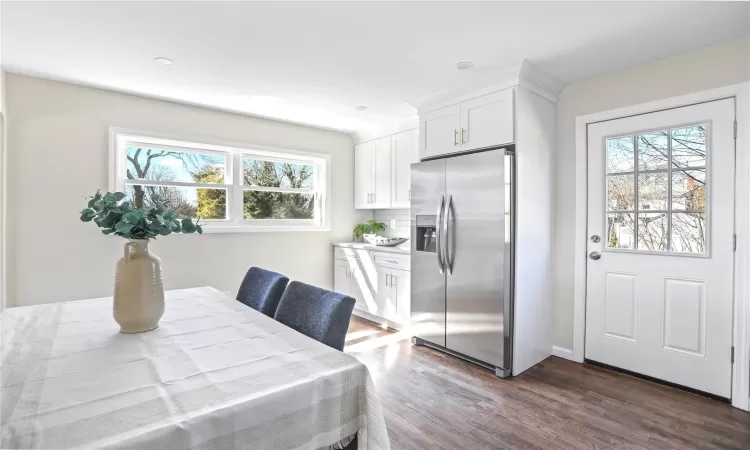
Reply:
x=562 y=352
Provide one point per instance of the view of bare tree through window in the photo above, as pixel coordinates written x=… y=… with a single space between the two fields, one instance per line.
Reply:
x=192 y=183
x=181 y=167
x=656 y=190
x=277 y=190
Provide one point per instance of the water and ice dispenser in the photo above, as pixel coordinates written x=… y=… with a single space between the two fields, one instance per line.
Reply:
x=426 y=237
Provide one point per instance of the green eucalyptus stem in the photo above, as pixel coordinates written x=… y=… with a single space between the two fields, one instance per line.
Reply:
x=120 y=218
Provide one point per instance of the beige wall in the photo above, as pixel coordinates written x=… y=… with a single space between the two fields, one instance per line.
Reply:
x=59 y=154
x=720 y=65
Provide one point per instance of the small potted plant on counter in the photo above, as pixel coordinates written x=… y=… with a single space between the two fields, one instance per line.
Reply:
x=368 y=231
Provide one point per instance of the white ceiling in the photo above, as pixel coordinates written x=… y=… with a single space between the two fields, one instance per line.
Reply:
x=313 y=62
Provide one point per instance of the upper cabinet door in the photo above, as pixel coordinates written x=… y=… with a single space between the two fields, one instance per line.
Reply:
x=439 y=132
x=404 y=152
x=364 y=175
x=382 y=164
x=487 y=121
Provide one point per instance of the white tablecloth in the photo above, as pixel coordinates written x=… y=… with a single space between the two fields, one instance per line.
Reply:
x=215 y=375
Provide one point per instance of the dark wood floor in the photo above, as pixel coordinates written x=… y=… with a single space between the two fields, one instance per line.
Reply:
x=435 y=401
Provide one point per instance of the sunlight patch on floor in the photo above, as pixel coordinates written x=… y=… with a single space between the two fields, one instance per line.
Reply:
x=354 y=335
x=372 y=344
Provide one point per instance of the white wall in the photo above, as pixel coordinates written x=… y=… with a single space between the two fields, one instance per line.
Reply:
x=712 y=67
x=3 y=142
x=58 y=136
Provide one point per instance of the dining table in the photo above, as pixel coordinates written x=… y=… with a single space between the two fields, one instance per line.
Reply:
x=215 y=374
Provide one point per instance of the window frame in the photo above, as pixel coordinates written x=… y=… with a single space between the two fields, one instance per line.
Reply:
x=234 y=152
x=636 y=211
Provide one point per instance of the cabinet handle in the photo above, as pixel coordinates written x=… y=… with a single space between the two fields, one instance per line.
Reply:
x=455 y=137
x=390 y=261
x=409 y=194
x=462 y=136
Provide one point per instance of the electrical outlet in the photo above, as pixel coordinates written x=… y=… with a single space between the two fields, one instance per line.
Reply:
x=392 y=224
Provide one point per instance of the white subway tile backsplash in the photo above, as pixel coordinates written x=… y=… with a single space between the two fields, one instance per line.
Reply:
x=397 y=221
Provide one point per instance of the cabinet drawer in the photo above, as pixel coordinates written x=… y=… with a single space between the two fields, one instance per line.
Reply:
x=391 y=260
x=348 y=253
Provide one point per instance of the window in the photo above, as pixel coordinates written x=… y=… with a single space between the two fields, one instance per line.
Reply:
x=657 y=191
x=229 y=188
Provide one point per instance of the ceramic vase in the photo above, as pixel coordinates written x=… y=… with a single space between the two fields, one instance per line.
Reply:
x=139 y=291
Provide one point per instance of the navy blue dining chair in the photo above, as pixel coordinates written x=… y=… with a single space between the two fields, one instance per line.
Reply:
x=318 y=313
x=262 y=289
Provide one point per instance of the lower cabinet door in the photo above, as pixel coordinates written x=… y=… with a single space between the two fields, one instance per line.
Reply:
x=401 y=287
x=361 y=289
x=341 y=281
x=384 y=300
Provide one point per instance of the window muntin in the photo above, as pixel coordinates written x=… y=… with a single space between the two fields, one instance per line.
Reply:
x=229 y=188
x=657 y=191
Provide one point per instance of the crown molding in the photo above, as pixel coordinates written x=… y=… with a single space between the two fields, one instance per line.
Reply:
x=524 y=74
x=386 y=130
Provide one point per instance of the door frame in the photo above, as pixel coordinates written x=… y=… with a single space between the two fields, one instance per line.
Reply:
x=741 y=301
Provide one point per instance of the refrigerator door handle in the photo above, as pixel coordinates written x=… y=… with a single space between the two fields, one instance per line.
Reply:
x=449 y=234
x=439 y=235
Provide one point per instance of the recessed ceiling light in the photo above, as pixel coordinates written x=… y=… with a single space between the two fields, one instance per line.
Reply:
x=361 y=108
x=463 y=65
x=163 y=60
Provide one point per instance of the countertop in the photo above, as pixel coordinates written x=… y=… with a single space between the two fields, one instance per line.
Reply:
x=404 y=249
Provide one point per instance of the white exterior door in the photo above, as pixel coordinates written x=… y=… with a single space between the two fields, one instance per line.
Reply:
x=661 y=242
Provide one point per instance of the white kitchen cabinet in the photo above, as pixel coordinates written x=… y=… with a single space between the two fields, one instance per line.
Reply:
x=360 y=289
x=392 y=297
x=438 y=131
x=372 y=174
x=403 y=154
x=341 y=280
x=480 y=122
x=382 y=164
x=402 y=291
x=382 y=171
x=349 y=279
x=383 y=295
x=487 y=121
x=382 y=291
x=363 y=174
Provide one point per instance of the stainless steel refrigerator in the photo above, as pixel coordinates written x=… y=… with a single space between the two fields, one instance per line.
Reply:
x=462 y=256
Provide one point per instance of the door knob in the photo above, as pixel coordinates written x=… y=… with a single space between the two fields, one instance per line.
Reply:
x=595 y=255
x=595 y=239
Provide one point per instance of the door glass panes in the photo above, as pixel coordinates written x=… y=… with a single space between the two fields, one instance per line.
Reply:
x=657 y=190
x=621 y=230
x=652 y=231
x=620 y=192
x=689 y=146
x=653 y=150
x=653 y=191
x=620 y=154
